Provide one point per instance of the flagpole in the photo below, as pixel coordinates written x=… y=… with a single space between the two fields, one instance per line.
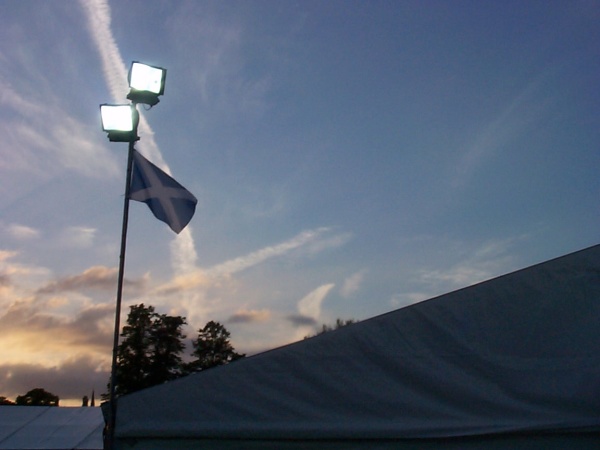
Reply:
x=113 y=370
x=146 y=84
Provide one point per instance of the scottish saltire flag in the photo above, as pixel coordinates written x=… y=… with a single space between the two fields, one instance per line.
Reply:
x=168 y=200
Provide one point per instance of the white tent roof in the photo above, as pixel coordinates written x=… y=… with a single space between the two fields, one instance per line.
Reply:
x=50 y=427
x=516 y=354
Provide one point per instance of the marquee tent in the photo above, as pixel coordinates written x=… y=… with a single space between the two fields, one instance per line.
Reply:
x=50 y=428
x=512 y=362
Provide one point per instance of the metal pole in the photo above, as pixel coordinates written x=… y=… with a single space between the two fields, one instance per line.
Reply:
x=113 y=371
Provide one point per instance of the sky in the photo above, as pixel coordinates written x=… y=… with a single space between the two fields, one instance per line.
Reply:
x=349 y=158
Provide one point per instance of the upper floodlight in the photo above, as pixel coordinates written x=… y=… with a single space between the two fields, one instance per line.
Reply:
x=146 y=83
x=120 y=122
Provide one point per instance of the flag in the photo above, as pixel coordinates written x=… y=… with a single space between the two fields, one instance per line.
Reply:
x=168 y=200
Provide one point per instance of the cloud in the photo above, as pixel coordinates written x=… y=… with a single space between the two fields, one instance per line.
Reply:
x=460 y=275
x=184 y=255
x=38 y=122
x=219 y=81
x=465 y=264
x=475 y=265
x=78 y=236
x=76 y=377
x=57 y=344
x=200 y=291
x=205 y=293
x=19 y=274
x=189 y=281
x=352 y=284
x=519 y=113
x=97 y=277
x=48 y=138
x=11 y=99
x=301 y=321
x=23 y=232
x=328 y=242
x=208 y=277
x=407 y=298
x=310 y=305
x=32 y=330
x=94 y=324
x=250 y=316
x=6 y=288
x=6 y=254
x=75 y=150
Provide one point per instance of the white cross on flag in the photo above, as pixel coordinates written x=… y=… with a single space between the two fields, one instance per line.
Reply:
x=168 y=200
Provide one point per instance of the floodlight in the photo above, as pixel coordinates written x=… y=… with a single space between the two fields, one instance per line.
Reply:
x=146 y=83
x=120 y=122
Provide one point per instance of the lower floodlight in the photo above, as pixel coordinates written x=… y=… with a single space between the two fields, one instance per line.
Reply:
x=146 y=83
x=120 y=122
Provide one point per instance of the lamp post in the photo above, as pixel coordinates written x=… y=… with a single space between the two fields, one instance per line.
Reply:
x=121 y=123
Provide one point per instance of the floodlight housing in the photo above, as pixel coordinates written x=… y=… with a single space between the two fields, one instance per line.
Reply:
x=120 y=122
x=146 y=83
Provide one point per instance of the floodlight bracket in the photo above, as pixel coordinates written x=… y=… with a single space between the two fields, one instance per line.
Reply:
x=143 y=97
x=123 y=136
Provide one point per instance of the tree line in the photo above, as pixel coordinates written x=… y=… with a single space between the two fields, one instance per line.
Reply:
x=35 y=397
x=151 y=352
x=152 y=347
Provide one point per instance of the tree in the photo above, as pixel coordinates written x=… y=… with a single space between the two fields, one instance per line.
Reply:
x=5 y=402
x=339 y=323
x=133 y=352
x=212 y=348
x=149 y=353
x=151 y=348
x=37 y=397
x=166 y=340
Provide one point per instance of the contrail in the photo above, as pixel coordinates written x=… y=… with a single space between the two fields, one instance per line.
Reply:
x=191 y=281
x=115 y=70
x=183 y=253
x=191 y=288
x=252 y=259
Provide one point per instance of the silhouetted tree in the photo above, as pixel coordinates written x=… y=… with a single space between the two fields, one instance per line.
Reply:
x=151 y=348
x=212 y=348
x=5 y=402
x=149 y=352
x=339 y=323
x=37 y=397
x=133 y=353
x=166 y=340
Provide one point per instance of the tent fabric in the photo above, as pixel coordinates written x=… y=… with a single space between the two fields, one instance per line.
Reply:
x=515 y=355
x=50 y=427
x=554 y=441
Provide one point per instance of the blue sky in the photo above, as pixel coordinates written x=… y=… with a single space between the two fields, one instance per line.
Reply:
x=349 y=158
